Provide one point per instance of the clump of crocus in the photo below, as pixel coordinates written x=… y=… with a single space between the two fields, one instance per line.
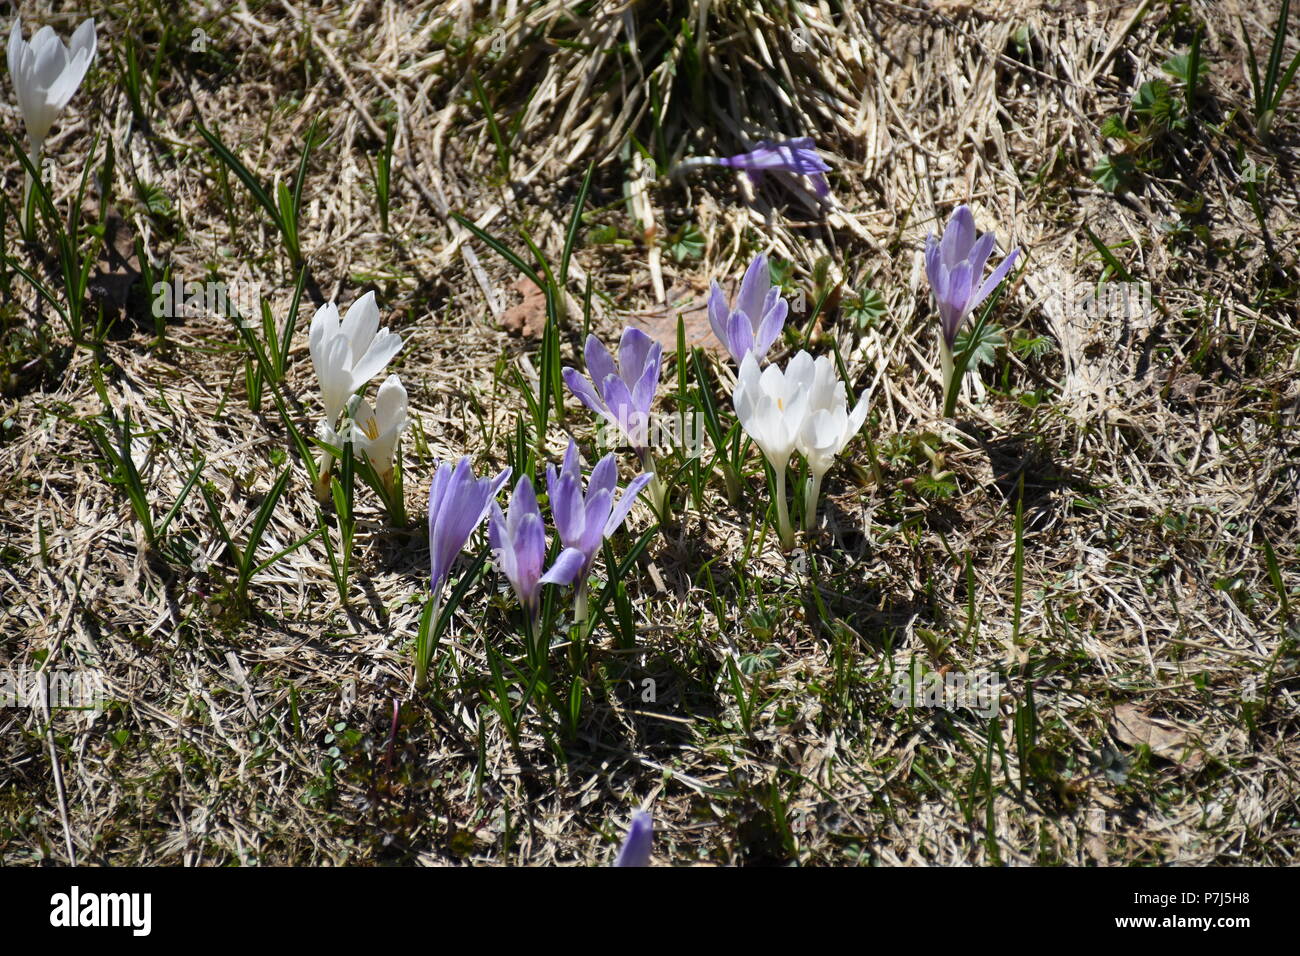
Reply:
x=827 y=428
x=795 y=156
x=46 y=74
x=346 y=353
x=518 y=542
x=636 y=847
x=752 y=323
x=458 y=503
x=772 y=405
x=955 y=265
x=623 y=395
x=585 y=520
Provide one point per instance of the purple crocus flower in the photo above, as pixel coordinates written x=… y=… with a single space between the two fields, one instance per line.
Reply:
x=457 y=503
x=621 y=396
x=758 y=317
x=797 y=156
x=954 y=265
x=585 y=520
x=518 y=540
x=635 y=850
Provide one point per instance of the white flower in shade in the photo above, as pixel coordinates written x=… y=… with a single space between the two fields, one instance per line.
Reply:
x=827 y=428
x=46 y=73
x=347 y=353
x=377 y=429
x=772 y=406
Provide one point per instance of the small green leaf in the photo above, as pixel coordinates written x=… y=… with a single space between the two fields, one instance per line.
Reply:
x=1115 y=174
x=983 y=349
x=687 y=243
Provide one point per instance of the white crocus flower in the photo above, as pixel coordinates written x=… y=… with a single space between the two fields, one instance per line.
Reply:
x=45 y=75
x=827 y=428
x=347 y=353
x=772 y=406
x=377 y=429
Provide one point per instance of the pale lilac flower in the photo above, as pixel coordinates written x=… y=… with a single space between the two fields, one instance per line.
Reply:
x=954 y=265
x=518 y=541
x=756 y=319
x=797 y=156
x=585 y=520
x=636 y=847
x=622 y=395
x=458 y=502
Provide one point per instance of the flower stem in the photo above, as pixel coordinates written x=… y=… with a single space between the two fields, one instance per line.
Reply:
x=658 y=489
x=425 y=642
x=783 y=512
x=733 y=483
x=810 y=501
x=693 y=162
x=29 y=212
x=580 y=602
x=946 y=364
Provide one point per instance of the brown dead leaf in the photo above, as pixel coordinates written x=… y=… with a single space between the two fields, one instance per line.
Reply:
x=690 y=301
x=526 y=318
x=1165 y=738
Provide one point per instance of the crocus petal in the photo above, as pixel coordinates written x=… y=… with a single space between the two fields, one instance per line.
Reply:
x=740 y=335
x=857 y=417
x=957 y=237
x=604 y=477
x=718 y=312
x=623 y=411
x=958 y=300
x=503 y=552
x=799 y=374
x=993 y=280
x=530 y=551
x=567 y=509
x=643 y=391
x=933 y=264
x=770 y=328
x=335 y=382
x=597 y=508
x=568 y=565
x=582 y=390
x=636 y=848
x=391 y=402
x=600 y=364
x=457 y=504
x=634 y=352
x=361 y=323
x=979 y=254
x=619 y=512
x=383 y=347
x=754 y=288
